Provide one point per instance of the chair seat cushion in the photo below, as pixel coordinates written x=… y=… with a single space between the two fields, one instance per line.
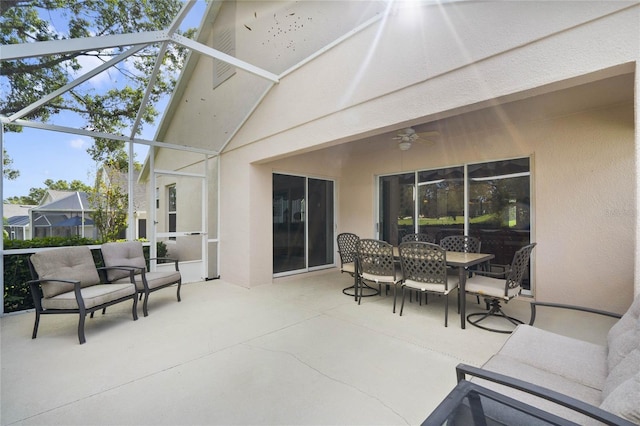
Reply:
x=487 y=286
x=154 y=279
x=93 y=296
x=381 y=279
x=452 y=283
x=349 y=268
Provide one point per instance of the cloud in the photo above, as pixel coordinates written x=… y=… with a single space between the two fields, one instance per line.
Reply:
x=77 y=143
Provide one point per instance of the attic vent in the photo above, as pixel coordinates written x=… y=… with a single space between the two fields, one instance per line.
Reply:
x=223 y=41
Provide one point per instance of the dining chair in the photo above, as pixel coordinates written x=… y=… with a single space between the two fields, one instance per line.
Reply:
x=424 y=269
x=499 y=287
x=427 y=238
x=376 y=264
x=461 y=243
x=347 y=246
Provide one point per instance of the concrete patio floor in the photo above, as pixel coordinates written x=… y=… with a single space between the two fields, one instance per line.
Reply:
x=294 y=352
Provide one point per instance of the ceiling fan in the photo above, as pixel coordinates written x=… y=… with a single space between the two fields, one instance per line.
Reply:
x=408 y=136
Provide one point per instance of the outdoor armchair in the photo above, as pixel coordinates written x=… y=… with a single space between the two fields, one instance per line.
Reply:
x=129 y=257
x=497 y=287
x=66 y=281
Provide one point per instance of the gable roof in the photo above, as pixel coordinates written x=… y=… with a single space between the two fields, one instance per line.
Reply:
x=65 y=201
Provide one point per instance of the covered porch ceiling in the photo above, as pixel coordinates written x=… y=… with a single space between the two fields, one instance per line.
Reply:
x=598 y=89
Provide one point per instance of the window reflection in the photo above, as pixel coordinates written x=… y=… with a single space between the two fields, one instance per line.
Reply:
x=432 y=202
x=441 y=201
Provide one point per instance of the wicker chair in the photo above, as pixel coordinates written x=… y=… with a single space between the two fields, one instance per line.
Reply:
x=461 y=243
x=347 y=246
x=377 y=264
x=426 y=238
x=497 y=287
x=424 y=268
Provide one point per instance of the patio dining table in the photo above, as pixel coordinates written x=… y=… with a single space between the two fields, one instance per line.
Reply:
x=462 y=261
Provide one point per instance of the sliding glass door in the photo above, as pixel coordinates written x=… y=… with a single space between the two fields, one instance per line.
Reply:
x=303 y=223
x=488 y=200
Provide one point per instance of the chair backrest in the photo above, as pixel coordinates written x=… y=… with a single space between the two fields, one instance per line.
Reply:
x=128 y=253
x=427 y=238
x=461 y=243
x=375 y=257
x=519 y=266
x=68 y=263
x=423 y=262
x=347 y=247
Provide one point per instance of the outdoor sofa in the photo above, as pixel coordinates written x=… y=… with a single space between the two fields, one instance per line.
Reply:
x=66 y=281
x=574 y=379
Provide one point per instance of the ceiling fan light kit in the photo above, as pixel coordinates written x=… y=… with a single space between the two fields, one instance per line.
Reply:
x=404 y=145
x=408 y=136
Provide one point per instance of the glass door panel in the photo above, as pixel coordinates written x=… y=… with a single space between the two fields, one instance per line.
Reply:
x=320 y=222
x=441 y=202
x=397 y=207
x=499 y=207
x=288 y=223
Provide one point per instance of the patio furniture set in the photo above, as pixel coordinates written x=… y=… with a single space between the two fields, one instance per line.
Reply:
x=67 y=281
x=537 y=377
x=422 y=266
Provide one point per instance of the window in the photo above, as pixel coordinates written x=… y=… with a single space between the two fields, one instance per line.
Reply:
x=172 y=209
x=496 y=208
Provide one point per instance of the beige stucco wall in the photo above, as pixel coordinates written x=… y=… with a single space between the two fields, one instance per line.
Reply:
x=583 y=174
x=465 y=57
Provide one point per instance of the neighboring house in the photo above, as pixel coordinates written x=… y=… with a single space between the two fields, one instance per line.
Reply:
x=547 y=87
x=17 y=226
x=62 y=214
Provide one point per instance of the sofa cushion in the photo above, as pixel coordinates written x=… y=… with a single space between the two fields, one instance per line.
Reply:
x=68 y=263
x=514 y=368
x=93 y=296
x=626 y=369
x=624 y=400
x=127 y=253
x=627 y=322
x=576 y=360
x=623 y=344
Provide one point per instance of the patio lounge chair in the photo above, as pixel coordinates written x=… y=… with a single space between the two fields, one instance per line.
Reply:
x=66 y=281
x=129 y=256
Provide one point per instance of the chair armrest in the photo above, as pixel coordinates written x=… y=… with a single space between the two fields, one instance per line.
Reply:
x=132 y=270
x=572 y=307
x=492 y=274
x=542 y=392
x=33 y=284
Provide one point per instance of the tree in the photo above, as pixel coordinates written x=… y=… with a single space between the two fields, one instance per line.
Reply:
x=109 y=201
x=36 y=194
x=28 y=80
x=7 y=171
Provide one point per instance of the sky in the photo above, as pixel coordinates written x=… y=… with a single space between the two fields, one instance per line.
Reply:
x=43 y=154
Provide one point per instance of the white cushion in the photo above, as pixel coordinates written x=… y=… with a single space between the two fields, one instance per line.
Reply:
x=624 y=401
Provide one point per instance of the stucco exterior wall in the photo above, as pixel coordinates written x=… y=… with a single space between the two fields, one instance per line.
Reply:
x=454 y=58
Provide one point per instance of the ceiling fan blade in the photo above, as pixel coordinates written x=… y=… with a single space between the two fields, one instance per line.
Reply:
x=428 y=135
